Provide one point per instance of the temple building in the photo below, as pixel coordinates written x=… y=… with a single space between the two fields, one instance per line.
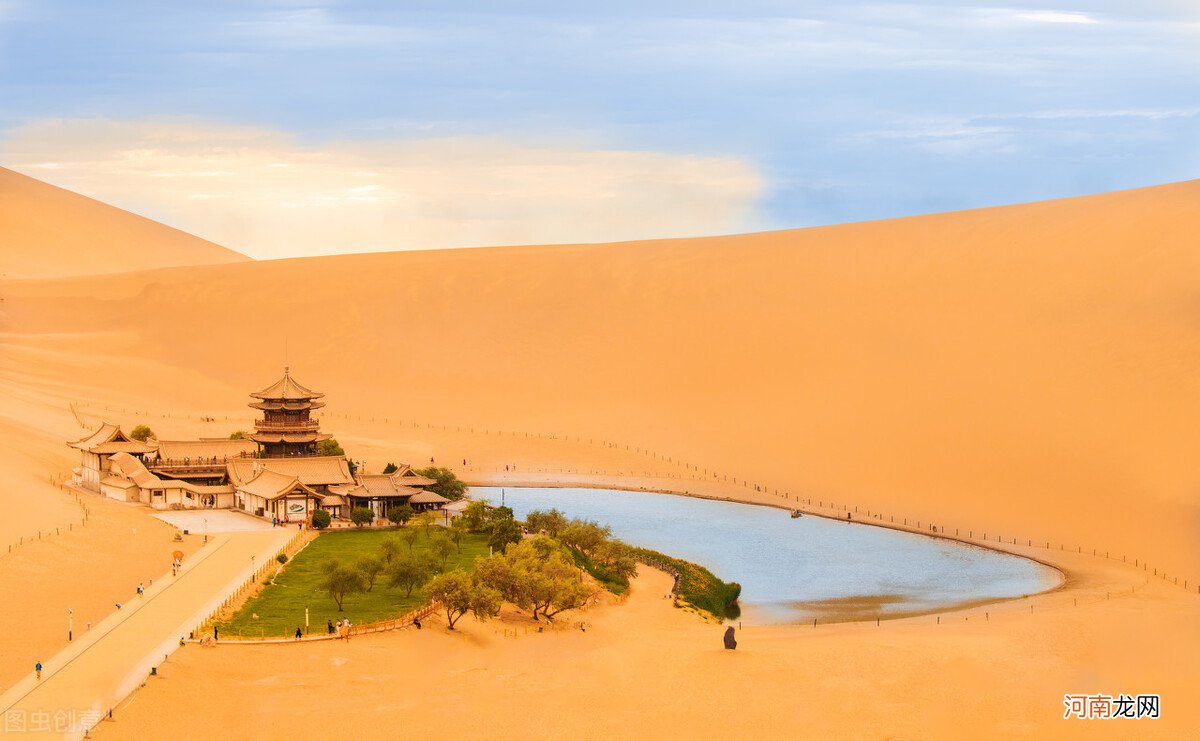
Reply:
x=276 y=473
x=287 y=427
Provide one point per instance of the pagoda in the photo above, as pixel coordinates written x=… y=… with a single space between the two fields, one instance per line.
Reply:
x=287 y=428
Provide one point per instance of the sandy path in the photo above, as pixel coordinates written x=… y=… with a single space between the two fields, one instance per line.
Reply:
x=112 y=659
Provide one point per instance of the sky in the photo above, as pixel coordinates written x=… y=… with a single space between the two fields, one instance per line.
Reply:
x=284 y=129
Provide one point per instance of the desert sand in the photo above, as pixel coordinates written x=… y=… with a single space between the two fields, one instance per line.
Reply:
x=50 y=232
x=1024 y=371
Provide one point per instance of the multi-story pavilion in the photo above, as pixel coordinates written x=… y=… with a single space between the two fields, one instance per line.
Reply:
x=287 y=427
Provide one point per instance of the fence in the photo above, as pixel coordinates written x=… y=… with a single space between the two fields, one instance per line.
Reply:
x=679 y=469
x=379 y=626
x=84 y=514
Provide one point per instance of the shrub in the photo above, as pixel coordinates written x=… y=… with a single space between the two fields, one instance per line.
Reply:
x=321 y=519
x=281 y=558
x=400 y=515
x=361 y=516
x=239 y=435
x=141 y=433
x=330 y=447
x=391 y=468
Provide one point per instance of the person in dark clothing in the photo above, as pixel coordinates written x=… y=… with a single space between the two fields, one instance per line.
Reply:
x=329 y=627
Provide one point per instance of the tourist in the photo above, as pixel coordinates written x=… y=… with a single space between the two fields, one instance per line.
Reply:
x=347 y=629
x=38 y=668
x=216 y=632
x=298 y=632
x=329 y=626
x=417 y=622
x=141 y=590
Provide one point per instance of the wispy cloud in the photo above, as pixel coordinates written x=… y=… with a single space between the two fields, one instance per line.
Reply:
x=1055 y=16
x=261 y=192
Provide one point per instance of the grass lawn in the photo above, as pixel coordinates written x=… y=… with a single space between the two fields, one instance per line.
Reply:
x=280 y=606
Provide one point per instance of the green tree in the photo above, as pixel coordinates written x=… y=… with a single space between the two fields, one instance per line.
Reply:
x=456 y=532
x=500 y=513
x=410 y=571
x=475 y=516
x=391 y=468
x=400 y=515
x=584 y=536
x=389 y=548
x=548 y=522
x=239 y=435
x=535 y=576
x=503 y=532
x=340 y=581
x=409 y=536
x=369 y=567
x=361 y=516
x=142 y=433
x=321 y=519
x=330 y=447
x=441 y=545
x=425 y=520
x=615 y=558
x=445 y=483
x=459 y=594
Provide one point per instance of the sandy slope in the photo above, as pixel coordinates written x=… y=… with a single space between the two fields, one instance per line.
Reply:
x=1027 y=370
x=646 y=670
x=46 y=231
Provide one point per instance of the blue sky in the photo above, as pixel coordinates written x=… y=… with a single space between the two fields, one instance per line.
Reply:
x=716 y=116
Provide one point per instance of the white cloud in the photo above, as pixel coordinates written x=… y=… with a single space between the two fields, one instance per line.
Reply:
x=1054 y=16
x=265 y=194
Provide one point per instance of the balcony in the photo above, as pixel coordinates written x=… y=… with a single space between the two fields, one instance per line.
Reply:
x=292 y=426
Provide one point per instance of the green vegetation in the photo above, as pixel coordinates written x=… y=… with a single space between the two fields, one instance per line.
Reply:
x=536 y=575
x=391 y=468
x=239 y=435
x=321 y=519
x=282 y=558
x=612 y=563
x=459 y=594
x=142 y=433
x=330 y=447
x=447 y=484
x=697 y=585
x=305 y=582
x=361 y=516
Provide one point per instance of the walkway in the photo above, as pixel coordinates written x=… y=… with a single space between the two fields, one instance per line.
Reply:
x=107 y=663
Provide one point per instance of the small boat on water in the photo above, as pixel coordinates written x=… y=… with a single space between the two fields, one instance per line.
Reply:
x=795 y=513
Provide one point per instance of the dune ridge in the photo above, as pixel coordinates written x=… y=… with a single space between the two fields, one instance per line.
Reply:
x=48 y=232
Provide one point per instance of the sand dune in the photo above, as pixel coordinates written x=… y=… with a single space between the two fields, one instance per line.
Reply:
x=46 y=232
x=1027 y=371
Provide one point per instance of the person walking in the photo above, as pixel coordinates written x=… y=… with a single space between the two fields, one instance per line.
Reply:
x=298 y=632
x=216 y=632
x=329 y=626
x=141 y=589
x=38 y=669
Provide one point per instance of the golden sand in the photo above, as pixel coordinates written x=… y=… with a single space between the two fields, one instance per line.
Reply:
x=1026 y=371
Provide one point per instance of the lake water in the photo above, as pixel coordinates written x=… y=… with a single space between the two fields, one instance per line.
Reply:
x=796 y=569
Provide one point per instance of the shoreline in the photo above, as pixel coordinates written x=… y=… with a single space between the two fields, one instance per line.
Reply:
x=1067 y=576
